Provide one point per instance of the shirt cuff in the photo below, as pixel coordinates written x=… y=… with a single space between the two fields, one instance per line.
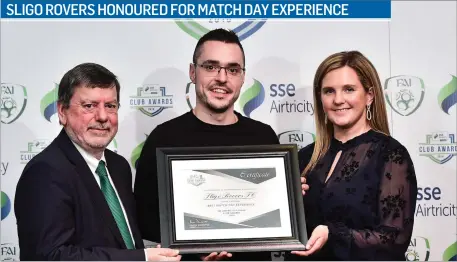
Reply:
x=145 y=255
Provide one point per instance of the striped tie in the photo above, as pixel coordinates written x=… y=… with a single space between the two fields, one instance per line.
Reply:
x=114 y=204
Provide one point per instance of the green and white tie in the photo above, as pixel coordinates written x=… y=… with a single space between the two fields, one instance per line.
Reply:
x=114 y=204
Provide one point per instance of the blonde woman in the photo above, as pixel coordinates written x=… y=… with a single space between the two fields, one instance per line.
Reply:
x=362 y=185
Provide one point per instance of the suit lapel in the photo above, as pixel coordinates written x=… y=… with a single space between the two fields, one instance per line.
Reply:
x=125 y=194
x=91 y=185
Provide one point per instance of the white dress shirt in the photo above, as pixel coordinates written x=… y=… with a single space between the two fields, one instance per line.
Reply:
x=93 y=162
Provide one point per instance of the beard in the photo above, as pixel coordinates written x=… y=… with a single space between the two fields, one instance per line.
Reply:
x=91 y=142
x=203 y=98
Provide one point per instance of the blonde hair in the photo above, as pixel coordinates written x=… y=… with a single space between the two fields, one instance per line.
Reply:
x=369 y=78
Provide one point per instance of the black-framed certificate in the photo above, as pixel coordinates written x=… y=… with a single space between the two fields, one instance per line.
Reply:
x=234 y=199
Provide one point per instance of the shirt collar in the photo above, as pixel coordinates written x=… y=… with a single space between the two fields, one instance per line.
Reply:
x=91 y=161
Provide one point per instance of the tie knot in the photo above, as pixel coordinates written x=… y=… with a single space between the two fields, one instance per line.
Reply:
x=101 y=170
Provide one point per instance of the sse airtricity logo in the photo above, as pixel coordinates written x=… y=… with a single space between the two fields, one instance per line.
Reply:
x=252 y=98
x=450 y=254
x=430 y=202
x=48 y=105
x=13 y=101
x=404 y=93
x=6 y=205
x=418 y=250
x=136 y=153
x=4 y=168
x=242 y=29
x=447 y=96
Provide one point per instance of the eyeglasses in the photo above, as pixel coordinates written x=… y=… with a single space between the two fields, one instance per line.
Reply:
x=214 y=70
x=110 y=108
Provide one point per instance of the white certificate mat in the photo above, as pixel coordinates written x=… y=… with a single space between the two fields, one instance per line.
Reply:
x=230 y=198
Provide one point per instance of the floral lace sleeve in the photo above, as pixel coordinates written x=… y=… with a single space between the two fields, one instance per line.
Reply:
x=397 y=200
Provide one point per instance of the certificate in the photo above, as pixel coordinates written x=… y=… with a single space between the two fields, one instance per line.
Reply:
x=231 y=199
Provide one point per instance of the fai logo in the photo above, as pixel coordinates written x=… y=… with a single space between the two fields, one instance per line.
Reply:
x=301 y=138
x=33 y=148
x=10 y=252
x=6 y=205
x=151 y=99
x=439 y=147
x=48 y=104
x=447 y=96
x=242 y=29
x=13 y=100
x=418 y=250
x=404 y=93
x=196 y=180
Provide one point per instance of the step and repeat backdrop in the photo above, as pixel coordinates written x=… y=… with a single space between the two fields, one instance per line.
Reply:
x=414 y=53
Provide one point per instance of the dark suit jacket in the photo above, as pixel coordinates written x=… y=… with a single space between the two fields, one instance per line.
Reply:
x=62 y=213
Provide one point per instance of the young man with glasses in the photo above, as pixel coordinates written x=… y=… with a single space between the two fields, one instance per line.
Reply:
x=218 y=72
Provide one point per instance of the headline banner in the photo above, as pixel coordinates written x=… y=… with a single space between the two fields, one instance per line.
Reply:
x=178 y=9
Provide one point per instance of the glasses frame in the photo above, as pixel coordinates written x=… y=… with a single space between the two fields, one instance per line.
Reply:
x=243 y=69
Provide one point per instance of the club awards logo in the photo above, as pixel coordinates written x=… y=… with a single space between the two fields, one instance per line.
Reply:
x=439 y=147
x=156 y=93
x=196 y=179
x=151 y=99
x=33 y=148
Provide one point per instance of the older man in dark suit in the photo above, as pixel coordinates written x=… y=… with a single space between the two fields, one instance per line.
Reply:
x=74 y=200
